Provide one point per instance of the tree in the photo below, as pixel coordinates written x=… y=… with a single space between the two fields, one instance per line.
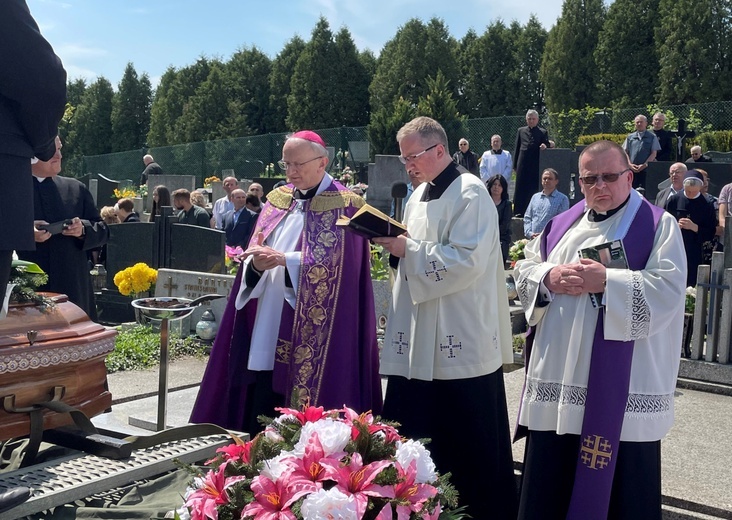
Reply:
x=247 y=75
x=351 y=83
x=162 y=119
x=529 y=48
x=385 y=123
x=626 y=54
x=693 y=40
x=416 y=52
x=204 y=115
x=71 y=157
x=283 y=68
x=313 y=86
x=131 y=111
x=568 y=67
x=440 y=105
x=91 y=125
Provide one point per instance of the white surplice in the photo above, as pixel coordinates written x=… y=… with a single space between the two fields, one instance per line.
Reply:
x=646 y=306
x=449 y=316
x=271 y=290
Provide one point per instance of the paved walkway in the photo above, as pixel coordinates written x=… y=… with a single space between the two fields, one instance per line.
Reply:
x=697 y=453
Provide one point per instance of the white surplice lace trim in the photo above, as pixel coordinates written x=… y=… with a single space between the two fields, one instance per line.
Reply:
x=638 y=315
x=645 y=406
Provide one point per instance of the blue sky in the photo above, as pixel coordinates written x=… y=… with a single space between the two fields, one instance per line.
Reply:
x=98 y=37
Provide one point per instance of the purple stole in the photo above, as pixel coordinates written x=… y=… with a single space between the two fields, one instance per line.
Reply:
x=609 y=378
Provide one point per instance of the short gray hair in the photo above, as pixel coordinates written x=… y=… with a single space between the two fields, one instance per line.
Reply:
x=427 y=128
x=532 y=112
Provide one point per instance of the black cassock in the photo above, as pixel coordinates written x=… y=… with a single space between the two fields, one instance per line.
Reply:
x=526 y=164
x=64 y=258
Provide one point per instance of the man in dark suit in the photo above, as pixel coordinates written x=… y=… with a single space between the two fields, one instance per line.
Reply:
x=530 y=141
x=676 y=174
x=32 y=102
x=239 y=222
x=64 y=255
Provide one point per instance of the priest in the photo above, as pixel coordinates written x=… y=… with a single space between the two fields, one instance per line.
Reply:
x=300 y=321
x=600 y=377
x=448 y=332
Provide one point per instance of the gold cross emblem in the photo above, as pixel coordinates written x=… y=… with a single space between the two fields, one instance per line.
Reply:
x=596 y=452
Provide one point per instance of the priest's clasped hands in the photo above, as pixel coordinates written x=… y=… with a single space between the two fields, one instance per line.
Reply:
x=584 y=276
x=263 y=257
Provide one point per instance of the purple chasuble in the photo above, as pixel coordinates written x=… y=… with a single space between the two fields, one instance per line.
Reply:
x=609 y=377
x=326 y=350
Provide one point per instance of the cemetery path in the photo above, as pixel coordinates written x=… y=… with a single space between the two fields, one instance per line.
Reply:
x=136 y=384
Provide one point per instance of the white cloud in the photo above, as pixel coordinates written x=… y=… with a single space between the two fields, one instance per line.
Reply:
x=74 y=72
x=77 y=50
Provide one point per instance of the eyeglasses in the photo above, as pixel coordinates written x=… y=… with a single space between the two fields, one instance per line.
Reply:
x=591 y=180
x=463 y=144
x=296 y=165
x=414 y=156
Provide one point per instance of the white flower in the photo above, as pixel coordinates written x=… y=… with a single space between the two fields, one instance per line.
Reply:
x=333 y=435
x=408 y=451
x=183 y=514
x=272 y=434
x=329 y=504
x=275 y=467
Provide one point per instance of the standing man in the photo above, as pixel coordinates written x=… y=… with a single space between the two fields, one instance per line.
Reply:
x=599 y=390
x=239 y=222
x=257 y=190
x=448 y=332
x=466 y=158
x=300 y=320
x=495 y=161
x=32 y=102
x=64 y=255
x=641 y=147
x=530 y=141
x=187 y=212
x=676 y=174
x=223 y=205
x=151 y=168
x=545 y=205
x=664 y=137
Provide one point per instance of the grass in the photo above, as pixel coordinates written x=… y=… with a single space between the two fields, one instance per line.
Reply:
x=138 y=347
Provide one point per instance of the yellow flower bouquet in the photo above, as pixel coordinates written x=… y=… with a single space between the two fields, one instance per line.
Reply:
x=137 y=279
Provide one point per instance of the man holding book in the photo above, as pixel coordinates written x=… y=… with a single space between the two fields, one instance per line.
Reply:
x=300 y=320
x=600 y=375
x=448 y=332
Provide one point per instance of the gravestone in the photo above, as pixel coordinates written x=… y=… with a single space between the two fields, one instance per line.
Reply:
x=359 y=152
x=217 y=191
x=196 y=248
x=566 y=162
x=93 y=187
x=191 y=285
x=105 y=191
x=720 y=157
x=387 y=170
x=172 y=182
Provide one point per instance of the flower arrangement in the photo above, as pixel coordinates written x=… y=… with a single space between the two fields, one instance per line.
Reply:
x=137 y=279
x=142 y=191
x=690 y=300
x=233 y=258
x=315 y=464
x=27 y=277
x=208 y=181
x=125 y=193
x=516 y=251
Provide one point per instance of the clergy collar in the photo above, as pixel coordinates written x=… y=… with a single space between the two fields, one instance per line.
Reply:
x=497 y=152
x=439 y=184
x=41 y=179
x=594 y=216
x=299 y=194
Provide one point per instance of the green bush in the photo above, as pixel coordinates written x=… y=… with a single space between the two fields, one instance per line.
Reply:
x=138 y=347
x=589 y=139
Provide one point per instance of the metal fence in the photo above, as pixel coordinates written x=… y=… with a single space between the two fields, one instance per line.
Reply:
x=248 y=156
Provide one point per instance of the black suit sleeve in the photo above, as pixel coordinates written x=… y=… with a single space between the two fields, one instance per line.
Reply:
x=32 y=80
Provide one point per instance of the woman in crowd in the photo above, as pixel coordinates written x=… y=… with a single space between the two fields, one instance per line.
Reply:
x=697 y=220
x=498 y=188
x=161 y=197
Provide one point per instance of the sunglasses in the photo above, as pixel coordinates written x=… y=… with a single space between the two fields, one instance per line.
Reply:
x=591 y=180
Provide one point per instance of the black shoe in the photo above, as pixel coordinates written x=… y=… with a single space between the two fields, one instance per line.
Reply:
x=13 y=497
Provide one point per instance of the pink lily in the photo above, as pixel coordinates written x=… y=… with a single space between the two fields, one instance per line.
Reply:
x=272 y=500
x=357 y=479
x=367 y=418
x=204 y=501
x=237 y=452
x=411 y=497
x=234 y=253
x=309 y=414
x=309 y=467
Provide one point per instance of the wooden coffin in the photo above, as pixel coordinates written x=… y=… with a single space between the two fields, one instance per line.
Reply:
x=68 y=351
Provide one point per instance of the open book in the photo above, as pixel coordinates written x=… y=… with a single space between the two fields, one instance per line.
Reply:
x=609 y=254
x=369 y=222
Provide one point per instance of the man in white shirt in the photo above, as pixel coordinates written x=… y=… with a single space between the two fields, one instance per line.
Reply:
x=448 y=332
x=676 y=173
x=223 y=205
x=600 y=381
x=495 y=161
